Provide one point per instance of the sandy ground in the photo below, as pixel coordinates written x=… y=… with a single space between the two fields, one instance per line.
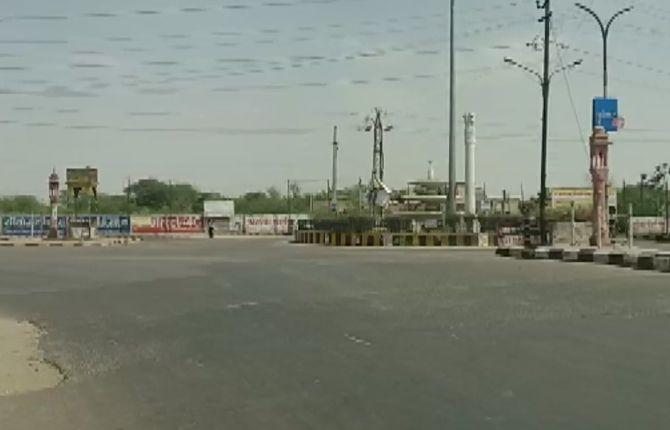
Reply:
x=22 y=366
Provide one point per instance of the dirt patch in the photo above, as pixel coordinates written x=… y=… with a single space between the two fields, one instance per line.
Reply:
x=23 y=367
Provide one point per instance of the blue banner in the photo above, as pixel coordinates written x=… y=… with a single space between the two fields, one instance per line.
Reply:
x=113 y=225
x=606 y=114
x=38 y=225
x=24 y=225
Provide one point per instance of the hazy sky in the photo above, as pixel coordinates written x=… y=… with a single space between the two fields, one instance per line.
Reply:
x=238 y=95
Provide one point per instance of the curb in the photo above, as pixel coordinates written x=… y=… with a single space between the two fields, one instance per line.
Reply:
x=68 y=244
x=643 y=260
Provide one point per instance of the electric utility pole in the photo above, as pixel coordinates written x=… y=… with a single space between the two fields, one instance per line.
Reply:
x=545 y=123
x=545 y=82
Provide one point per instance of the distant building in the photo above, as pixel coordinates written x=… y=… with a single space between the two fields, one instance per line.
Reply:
x=501 y=205
x=221 y=213
x=423 y=203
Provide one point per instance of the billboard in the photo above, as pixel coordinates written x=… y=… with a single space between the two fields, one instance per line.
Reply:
x=113 y=225
x=562 y=198
x=606 y=114
x=24 y=225
x=38 y=225
x=82 y=179
x=270 y=224
x=162 y=224
x=219 y=209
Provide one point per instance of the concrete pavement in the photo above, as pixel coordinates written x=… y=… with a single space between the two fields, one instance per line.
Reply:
x=261 y=334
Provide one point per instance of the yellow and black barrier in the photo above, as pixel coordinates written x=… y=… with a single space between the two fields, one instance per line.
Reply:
x=377 y=239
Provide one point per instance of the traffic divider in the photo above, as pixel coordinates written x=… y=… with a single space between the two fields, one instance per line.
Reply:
x=376 y=239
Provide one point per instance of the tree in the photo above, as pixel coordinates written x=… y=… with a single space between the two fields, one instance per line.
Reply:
x=157 y=196
x=295 y=190
x=274 y=193
x=22 y=205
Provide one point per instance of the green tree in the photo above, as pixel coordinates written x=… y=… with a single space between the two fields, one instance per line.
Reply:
x=22 y=205
x=155 y=196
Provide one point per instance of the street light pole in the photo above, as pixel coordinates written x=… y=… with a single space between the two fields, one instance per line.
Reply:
x=545 y=83
x=545 y=123
x=604 y=30
x=451 y=206
x=335 y=149
x=667 y=208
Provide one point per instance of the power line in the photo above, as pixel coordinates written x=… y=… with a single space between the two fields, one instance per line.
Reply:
x=580 y=129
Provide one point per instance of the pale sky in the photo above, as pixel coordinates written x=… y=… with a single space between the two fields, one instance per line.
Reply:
x=239 y=95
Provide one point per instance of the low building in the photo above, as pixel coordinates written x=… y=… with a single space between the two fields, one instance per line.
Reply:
x=221 y=213
x=500 y=205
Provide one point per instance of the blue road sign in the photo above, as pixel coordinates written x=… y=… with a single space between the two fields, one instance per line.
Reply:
x=606 y=114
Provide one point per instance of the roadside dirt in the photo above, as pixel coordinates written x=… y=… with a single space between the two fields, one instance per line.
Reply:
x=22 y=365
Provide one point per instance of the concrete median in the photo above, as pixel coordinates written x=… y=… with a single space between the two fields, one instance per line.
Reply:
x=662 y=262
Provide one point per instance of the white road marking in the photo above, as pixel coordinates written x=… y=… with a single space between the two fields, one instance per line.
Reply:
x=357 y=340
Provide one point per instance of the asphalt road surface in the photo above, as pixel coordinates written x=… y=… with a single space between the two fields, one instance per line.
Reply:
x=260 y=334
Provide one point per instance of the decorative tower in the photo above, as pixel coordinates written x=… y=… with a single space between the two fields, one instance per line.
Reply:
x=54 y=190
x=600 y=175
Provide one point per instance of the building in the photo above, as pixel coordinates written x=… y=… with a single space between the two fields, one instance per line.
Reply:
x=500 y=205
x=221 y=213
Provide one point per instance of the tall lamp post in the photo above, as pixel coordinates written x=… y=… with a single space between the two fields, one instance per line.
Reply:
x=545 y=83
x=451 y=203
x=604 y=30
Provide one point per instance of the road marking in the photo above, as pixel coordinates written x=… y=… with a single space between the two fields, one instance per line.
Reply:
x=241 y=305
x=357 y=340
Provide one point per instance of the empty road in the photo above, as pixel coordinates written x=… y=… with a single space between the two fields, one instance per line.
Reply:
x=260 y=334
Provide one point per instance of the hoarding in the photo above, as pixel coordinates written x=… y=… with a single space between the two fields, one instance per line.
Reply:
x=219 y=209
x=113 y=225
x=24 y=225
x=162 y=224
x=271 y=224
x=606 y=114
x=562 y=198
x=82 y=179
x=38 y=225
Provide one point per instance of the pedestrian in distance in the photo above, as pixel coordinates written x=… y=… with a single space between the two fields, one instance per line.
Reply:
x=210 y=229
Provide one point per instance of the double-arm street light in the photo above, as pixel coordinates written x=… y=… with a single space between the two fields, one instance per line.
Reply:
x=604 y=30
x=545 y=82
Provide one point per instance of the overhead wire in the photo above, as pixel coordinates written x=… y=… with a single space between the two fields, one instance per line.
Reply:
x=566 y=79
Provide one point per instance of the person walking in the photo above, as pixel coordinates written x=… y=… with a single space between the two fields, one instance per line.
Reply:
x=210 y=228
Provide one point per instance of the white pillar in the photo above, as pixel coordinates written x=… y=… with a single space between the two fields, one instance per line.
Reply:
x=335 y=149
x=470 y=141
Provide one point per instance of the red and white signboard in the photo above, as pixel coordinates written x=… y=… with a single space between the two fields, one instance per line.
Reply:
x=270 y=224
x=162 y=224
